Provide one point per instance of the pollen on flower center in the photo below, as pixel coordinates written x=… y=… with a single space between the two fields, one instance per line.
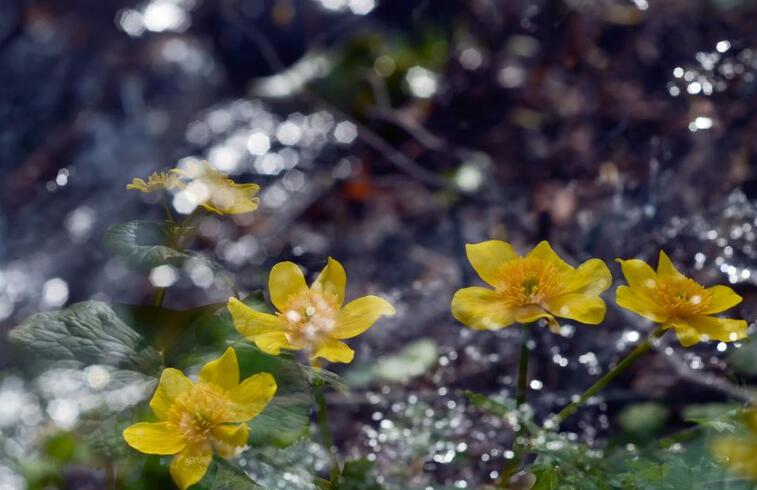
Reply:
x=309 y=315
x=197 y=411
x=682 y=296
x=528 y=280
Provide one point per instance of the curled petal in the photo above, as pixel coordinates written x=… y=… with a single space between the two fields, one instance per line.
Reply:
x=702 y=328
x=590 y=278
x=332 y=280
x=154 y=438
x=721 y=298
x=189 y=466
x=228 y=439
x=543 y=250
x=359 y=315
x=578 y=307
x=223 y=371
x=640 y=303
x=481 y=309
x=267 y=331
x=251 y=397
x=172 y=383
x=286 y=279
x=665 y=266
x=333 y=350
x=638 y=274
x=532 y=313
x=486 y=258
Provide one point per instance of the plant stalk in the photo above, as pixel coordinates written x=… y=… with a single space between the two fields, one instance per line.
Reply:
x=632 y=356
x=324 y=427
x=519 y=449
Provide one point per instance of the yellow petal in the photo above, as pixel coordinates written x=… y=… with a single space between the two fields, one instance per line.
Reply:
x=544 y=251
x=641 y=303
x=286 y=279
x=172 y=384
x=486 y=258
x=665 y=267
x=154 y=438
x=590 y=278
x=189 y=466
x=532 y=313
x=701 y=328
x=251 y=397
x=332 y=280
x=138 y=185
x=333 y=350
x=738 y=454
x=223 y=371
x=578 y=307
x=481 y=309
x=267 y=331
x=227 y=439
x=721 y=298
x=359 y=315
x=638 y=274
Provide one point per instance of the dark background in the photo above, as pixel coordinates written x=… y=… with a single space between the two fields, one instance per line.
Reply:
x=612 y=128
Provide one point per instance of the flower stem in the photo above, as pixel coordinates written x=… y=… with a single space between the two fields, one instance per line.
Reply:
x=519 y=448
x=520 y=397
x=324 y=427
x=632 y=356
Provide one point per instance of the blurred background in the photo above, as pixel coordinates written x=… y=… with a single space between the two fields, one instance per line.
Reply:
x=387 y=134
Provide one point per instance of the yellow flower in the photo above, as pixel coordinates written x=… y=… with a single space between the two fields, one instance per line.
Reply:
x=309 y=318
x=197 y=418
x=673 y=300
x=215 y=191
x=537 y=285
x=739 y=453
x=156 y=182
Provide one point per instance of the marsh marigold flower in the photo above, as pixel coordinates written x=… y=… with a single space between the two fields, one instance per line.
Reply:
x=673 y=300
x=215 y=191
x=310 y=318
x=156 y=182
x=739 y=453
x=525 y=289
x=196 y=419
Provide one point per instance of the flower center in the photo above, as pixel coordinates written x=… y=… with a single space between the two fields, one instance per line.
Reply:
x=309 y=315
x=681 y=296
x=528 y=281
x=197 y=411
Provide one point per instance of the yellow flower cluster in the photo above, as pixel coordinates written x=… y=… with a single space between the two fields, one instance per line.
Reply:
x=204 y=186
x=673 y=300
x=196 y=419
x=310 y=318
x=542 y=285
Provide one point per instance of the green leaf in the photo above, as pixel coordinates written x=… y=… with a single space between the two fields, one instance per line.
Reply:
x=175 y=332
x=357 y=474
x=286 y=419
x=643 y=419
x=411 y=361
x=143 y=244
x=225 y=475
x=490 y=405
x=83 y=334
x=547 y=478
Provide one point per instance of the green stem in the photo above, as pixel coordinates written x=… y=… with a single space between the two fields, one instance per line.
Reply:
x=523 y=365
x=160 y=295
x=632 y=356
x=167 y=209
x=519 y=448
x=324 y=427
